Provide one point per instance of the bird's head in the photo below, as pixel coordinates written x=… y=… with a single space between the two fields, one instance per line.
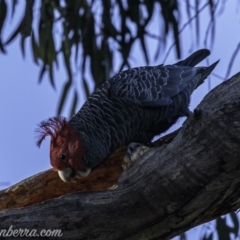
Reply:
x=66 y=149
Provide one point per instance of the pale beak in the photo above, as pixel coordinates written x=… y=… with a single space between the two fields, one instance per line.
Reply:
x=84 y=173
x=67 y=174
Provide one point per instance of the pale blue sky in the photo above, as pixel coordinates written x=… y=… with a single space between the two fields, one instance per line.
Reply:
x=24 y=103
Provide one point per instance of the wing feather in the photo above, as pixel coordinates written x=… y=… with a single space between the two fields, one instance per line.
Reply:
x=152 y=86
x=155 y=86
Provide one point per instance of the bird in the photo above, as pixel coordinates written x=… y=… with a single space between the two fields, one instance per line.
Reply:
x=131 y=107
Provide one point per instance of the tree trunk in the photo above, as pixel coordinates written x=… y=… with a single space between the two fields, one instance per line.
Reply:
x=167 y=191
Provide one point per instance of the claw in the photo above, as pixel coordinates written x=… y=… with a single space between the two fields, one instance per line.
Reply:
x=189 y=113
x=134 y=151
x=197 y=112
x=132 y=148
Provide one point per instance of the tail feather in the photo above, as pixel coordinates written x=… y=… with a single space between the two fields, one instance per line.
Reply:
x=206 y=71
x=194 y=58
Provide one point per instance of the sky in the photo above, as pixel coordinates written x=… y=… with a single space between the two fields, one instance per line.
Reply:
x=24 y=102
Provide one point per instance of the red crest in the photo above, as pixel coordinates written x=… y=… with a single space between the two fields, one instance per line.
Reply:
x=50 y=127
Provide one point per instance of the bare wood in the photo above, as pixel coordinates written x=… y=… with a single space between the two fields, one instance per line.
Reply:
x=47 y=184
x=170 y=189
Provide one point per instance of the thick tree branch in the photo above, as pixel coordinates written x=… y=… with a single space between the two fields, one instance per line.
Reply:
x=169 y=190
x=47 y=184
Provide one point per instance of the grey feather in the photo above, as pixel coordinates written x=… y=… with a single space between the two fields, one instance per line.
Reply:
x=137 y=104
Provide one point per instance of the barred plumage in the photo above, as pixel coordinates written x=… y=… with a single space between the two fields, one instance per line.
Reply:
x=133 y=106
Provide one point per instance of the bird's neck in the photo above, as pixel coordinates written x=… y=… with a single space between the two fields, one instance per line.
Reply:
x=96 y=148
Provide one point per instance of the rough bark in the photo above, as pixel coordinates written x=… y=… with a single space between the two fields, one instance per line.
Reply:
x=47 y=184
x=171 y=189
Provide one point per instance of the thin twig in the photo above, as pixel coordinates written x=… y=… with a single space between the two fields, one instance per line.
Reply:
x=232 y=61
x=183 y=27
x=218 y=76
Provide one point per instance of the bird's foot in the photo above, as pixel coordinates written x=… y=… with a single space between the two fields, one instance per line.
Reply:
x=134 y=151
x=188 y=113
x=132 y=147
x=197 y=112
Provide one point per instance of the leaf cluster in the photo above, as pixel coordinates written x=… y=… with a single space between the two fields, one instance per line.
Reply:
x=97 y=31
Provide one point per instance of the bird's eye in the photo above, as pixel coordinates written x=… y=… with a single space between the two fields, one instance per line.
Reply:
x=63 y=157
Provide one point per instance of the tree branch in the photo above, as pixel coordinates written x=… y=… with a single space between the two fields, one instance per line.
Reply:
x=170 y=189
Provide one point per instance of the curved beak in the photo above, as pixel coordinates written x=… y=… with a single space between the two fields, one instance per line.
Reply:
x=84 y=173
x=67 y=174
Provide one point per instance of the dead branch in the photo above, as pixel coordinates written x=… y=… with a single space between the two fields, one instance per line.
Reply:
x=172 y=188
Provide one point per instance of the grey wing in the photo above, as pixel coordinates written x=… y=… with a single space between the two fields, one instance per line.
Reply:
x=153 y=86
